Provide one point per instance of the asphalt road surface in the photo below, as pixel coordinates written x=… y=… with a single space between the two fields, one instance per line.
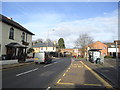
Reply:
x=47 y=76
x=34 y=76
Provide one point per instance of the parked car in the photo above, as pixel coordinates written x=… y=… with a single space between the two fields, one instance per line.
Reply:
x=42 y=57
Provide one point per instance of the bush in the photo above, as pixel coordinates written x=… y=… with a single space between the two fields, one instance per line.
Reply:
x=108 y=57
x=30 y=50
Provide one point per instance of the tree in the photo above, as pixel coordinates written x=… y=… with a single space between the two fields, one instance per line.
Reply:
x=49 y=41
x=38 y=41
x=61 y=43
x=83 y=40
x=30 y=50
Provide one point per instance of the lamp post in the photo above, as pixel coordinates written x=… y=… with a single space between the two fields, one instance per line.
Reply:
x=48 y=36
x=117 y=65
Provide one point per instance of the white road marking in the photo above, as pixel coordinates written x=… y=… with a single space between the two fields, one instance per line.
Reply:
x=47 y=65
x=27 y=72
x=52 y=63
x=57 y=62
x=48 y=88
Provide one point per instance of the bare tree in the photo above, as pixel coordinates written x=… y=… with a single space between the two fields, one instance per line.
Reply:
x=40 y=40
x=83 y=40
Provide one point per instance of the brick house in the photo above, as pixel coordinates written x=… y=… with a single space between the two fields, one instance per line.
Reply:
x=97 y=45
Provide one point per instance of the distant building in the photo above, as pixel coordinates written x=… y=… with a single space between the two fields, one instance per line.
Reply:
x=72 y=52
x=45 y=47
x=111 y=49
x=15 y=39
x=97 y=45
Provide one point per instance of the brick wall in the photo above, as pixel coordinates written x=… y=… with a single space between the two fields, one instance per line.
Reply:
x=99 y=45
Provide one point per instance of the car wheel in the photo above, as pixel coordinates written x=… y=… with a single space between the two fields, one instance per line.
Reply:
x=36 y=62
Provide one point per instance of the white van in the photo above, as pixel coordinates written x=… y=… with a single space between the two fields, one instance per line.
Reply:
x=42 y=57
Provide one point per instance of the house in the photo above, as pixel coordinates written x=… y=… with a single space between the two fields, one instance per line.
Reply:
x=97 y=45
x=15 y=39
x=72 y=52
x=112 y=49
x=45 y=47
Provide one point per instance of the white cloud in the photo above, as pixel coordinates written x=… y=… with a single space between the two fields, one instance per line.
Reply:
x=100 y=28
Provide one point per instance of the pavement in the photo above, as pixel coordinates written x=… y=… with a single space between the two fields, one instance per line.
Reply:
x=107 y=70
x=80 y=75
x=14 y=63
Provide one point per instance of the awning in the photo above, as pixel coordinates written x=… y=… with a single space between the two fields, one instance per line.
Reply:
x=15 y=45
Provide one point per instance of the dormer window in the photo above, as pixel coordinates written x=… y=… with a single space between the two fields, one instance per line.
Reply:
x=11 y=34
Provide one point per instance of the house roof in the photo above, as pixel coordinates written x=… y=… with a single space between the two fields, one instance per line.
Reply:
x=109 y=44
x=14 y=24
x=44 y=45
x=118 y=42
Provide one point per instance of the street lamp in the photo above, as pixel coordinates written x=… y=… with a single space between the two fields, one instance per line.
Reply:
x=48 y=36
x=117 y=64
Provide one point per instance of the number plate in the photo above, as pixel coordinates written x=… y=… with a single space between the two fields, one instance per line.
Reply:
x=36 y=58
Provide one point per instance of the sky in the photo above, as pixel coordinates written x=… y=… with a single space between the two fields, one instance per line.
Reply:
x=66 y=20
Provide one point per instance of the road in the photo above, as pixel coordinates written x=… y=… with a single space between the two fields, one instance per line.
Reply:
x=34 y=76
x=45 y=76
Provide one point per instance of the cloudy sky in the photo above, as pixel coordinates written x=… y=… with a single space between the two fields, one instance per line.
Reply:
x=66 y=19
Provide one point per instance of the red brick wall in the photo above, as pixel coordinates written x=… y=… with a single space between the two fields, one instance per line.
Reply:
x=99 y=45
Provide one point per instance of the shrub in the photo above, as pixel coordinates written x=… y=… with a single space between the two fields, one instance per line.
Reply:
x=30 y=50
x=108 y=57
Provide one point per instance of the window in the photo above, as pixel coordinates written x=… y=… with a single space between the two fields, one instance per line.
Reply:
x=11 y=33
x=104 y=48
x=112 y=45
x=23 y=36
x=26 y=37
x=41 y=48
